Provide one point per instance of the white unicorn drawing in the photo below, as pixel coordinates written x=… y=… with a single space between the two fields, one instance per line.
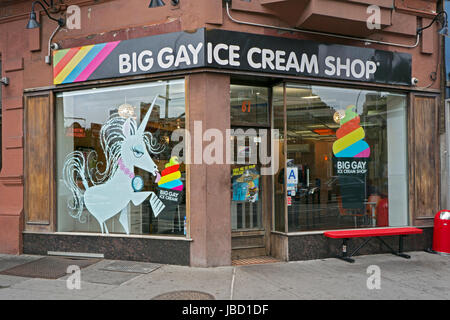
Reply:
x=125 y=146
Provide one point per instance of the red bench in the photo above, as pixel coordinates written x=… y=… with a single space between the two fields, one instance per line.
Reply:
x=345 y=235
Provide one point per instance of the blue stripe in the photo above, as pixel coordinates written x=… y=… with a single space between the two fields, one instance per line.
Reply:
x=171 y=184
x=95 y=50
x=353 y=150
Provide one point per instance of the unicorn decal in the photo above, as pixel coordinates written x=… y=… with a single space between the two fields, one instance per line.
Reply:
x=108 y=193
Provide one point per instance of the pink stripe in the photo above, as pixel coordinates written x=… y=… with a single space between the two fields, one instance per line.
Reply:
x=179 y=188
x=97 y=61
x=364 y=154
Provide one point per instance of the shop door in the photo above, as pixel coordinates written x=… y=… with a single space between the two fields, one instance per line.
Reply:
x=250 y=208
x=246 y=210
x=247 y=194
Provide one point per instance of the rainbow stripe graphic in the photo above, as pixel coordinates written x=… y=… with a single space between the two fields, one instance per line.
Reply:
x=350 y=143
x=77 y=64
x=170 y=176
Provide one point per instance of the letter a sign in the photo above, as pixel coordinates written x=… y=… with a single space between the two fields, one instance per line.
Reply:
x=292 y=178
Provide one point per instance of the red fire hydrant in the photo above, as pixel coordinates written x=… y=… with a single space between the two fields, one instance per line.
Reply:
x=441 y=233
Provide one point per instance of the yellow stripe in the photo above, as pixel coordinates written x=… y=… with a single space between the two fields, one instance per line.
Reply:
x=348 y=140
x=170 y=177
x=72 y=64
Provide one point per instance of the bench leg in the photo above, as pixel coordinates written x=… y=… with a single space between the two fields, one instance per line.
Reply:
x=344 y=256
x=400 y=248
x=348 y=257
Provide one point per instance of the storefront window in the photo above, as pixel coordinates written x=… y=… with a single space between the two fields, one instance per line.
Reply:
x=346 y=161
x=114 y=165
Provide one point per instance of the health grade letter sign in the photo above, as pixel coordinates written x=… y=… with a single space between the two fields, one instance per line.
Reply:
x=351 y=158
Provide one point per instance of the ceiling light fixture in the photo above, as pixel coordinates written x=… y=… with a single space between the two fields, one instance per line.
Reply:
x=310 y=97
x=338 y=115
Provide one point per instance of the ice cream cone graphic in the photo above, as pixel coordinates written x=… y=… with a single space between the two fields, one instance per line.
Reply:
x=170 y=185
x=350 y=142
x=351 y=157
x=170 y=176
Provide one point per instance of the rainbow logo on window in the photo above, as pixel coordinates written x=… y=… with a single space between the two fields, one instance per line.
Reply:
x=350 y=142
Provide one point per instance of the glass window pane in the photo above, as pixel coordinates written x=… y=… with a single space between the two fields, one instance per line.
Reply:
x=249 y=105
x=114 y=166
x=346 y=158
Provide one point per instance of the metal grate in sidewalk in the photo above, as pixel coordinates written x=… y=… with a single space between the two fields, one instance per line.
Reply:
x=48 y=267
x=185 y=295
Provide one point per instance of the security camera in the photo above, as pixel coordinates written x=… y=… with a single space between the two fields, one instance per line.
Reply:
x=55 y=46
x=4 y=81
x=414 y=81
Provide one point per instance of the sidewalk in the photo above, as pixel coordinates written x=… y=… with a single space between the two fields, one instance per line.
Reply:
x=425 y=276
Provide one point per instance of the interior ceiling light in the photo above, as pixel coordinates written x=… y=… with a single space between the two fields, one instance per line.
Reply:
x=324 y=132
x=310 y=97
x=126 y=111
x=338 y=115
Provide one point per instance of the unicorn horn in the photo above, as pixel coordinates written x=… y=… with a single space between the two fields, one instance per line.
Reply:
x=143 y=124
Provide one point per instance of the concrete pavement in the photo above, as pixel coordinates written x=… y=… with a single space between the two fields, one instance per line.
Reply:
x=425 y=276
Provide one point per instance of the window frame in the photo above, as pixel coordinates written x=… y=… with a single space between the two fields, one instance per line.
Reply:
x=111 y=84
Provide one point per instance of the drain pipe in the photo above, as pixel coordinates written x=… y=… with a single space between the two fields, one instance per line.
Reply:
x=366 y=41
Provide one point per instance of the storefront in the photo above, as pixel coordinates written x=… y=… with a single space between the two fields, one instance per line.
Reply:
x=201 y=147
x=341 y=151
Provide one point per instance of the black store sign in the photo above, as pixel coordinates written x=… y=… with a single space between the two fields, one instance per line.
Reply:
x=250 y=52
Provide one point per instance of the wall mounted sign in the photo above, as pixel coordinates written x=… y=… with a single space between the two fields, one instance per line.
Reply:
x=252 y=52
x=230 y=50
x=292 y=180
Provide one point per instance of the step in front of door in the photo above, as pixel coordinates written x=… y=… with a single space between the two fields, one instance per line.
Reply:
x=247 y=252
x=239 y=241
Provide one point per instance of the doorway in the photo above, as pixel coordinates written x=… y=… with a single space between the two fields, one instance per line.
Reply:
x=249 y=198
